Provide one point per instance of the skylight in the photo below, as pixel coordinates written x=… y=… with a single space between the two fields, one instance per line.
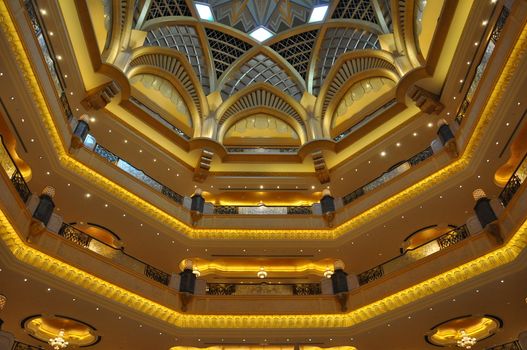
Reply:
x=318 y=14
x=204 y=12
x=261 y=34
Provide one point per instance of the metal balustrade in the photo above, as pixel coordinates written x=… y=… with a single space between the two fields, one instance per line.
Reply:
x=12 y=171
x=516 y=180
x=86 y=241
x=263 y=289
x=426 y=249
x=483 y=63
x=393 y=172
x=137 y=173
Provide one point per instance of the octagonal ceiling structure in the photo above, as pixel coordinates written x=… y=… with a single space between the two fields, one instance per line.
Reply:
x=330 y=83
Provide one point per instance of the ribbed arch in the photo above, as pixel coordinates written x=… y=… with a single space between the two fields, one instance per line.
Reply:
x=348 y=66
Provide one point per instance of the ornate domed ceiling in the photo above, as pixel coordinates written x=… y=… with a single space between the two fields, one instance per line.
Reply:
x=204 y=75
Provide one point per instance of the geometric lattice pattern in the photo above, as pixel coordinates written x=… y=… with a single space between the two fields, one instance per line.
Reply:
x=261 y=98
x=162 y=8
x=261 y=69
x=386 y=13
x=225 y=49
x=184 y=39
x=350 y=68
x=336 y=42
x=173 y=66
x=297 y=50
x=277 y=16
x=356 y=9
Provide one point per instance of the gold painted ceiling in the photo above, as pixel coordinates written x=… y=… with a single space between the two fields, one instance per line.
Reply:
x=332 y=82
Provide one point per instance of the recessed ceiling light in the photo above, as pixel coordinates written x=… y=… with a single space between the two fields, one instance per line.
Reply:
x=383 y=154
x=318 y=13
x=398 y=144
x=261 y=186
x=312 y=187
x=204 y=12
x=476 y=43
x=415 y=134
x=43 y=11
x=87 y=195
x=59 y=57
x=461 y=80
x=261 y=34
x=484 y=23
x=51 y=33
x=92 y=119
x=125 y=141
x=468 y=62
x=430 y=125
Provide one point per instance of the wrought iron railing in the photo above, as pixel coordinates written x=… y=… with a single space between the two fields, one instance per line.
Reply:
x=263 y=288
x=365 y=120
x=262 y=210
x=442 y=242
x=137 y=173
x=84 y=240
x=394 y=171
x=260 y=150
x=46 y=49
x=13 y=173
x=514 y=183
x=513 y=345
x=480 y=69
x=22 y=346
x=159 y=118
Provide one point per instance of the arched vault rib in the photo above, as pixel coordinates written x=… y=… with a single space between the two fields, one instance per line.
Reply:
x=264 y=98
x=262 y=65
x=293 y=123
x=328 y=117
x=346 y=67
x=177 y=65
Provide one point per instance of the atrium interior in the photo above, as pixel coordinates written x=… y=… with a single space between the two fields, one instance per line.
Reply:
x=263 y=174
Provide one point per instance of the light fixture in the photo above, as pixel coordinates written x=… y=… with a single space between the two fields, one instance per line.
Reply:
x=58 y=342
x=261 y=34
x=328 y=273
x=204 y=12
x=466 y=341
x=3 y=301
x=262 y=273
x=195 y=271
x=318 y=13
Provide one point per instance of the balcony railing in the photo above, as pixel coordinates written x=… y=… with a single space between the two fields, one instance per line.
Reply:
x=12 y=171
x=444 y=241
x=263 y=289
x=159 y=118
x=84 y=240
x=513 y=345
x=394 y=171
x=365 y=120
x=262 y=150
x=22 y=346
x=137 y=173
x=46 y=49
x=262 y=210
x=480 y=69
x=514 y=183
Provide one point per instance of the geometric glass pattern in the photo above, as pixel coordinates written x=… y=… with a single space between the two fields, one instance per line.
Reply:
x=184 y=39
x=162 y=8
x=297 y=50
x=336 y=42
x=261 y=69
x=225 y=49
x=356 y=9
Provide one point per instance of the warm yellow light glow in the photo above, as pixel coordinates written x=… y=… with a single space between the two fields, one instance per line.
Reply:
x=234 y=267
